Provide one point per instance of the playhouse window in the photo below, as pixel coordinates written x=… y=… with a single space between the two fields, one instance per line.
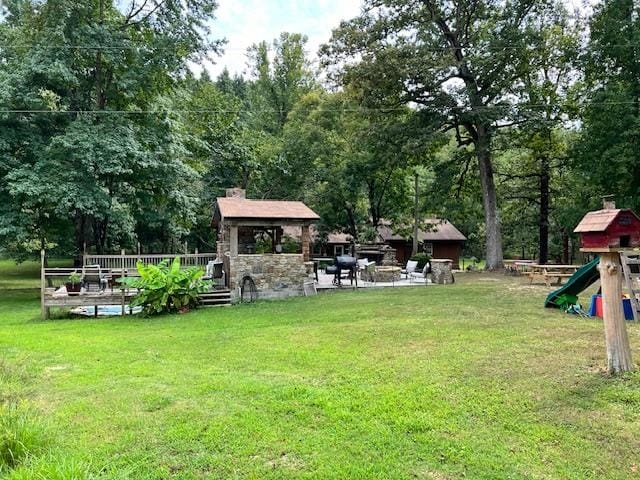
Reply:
x=625 y=220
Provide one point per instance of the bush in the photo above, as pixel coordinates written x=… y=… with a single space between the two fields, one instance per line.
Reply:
x=165 y=288
x=421 y=258
x=21 y=435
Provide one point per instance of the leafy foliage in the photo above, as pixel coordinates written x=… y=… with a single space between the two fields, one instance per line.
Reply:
x=167 y=288
x=421 y=258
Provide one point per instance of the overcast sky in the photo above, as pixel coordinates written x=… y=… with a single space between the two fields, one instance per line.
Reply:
x=244 y=22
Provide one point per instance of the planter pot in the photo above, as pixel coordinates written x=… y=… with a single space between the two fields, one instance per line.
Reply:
x=73 y=288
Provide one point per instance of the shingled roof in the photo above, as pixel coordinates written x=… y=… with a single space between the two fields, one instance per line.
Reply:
x=242 y=208
x=599 y=220
x=441 y=230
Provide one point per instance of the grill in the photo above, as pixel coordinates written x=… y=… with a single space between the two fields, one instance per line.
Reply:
x=344 y=264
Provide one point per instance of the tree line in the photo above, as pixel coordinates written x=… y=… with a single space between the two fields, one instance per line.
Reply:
x=515 y=116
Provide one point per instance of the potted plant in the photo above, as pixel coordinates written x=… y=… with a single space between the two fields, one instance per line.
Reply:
x=73 y=283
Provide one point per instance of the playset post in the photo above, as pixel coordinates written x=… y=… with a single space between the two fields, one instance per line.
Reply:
x=608 y=232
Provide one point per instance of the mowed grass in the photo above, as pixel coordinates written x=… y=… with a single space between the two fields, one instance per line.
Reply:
x=474 y=380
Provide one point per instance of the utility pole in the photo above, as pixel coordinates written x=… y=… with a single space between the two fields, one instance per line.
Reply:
x=416 y=220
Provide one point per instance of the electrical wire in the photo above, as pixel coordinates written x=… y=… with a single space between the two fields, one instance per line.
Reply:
x=466 y=108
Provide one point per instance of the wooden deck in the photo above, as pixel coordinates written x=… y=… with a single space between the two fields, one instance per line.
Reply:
x=104 y=289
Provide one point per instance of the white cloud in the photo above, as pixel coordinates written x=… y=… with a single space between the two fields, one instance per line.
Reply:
x=245 y=22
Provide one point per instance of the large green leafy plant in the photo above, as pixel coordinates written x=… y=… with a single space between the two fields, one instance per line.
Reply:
x=165 y=288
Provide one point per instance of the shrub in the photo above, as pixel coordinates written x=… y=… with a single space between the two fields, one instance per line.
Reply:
x=165 y=288
x=21 y=435
x=421 y=258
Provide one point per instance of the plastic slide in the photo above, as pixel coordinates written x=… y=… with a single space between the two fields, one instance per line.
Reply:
x=582 y=279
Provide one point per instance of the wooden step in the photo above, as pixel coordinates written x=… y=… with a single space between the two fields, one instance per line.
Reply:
x=216 y=298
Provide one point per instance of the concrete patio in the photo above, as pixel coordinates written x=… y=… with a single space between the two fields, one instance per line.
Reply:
x=325 y=282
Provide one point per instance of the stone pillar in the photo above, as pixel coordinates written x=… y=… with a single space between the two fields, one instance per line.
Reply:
x=441 y=271
x=306 y=240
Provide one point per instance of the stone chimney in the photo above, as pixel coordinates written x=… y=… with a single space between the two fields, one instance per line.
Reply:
x=608 y=203
x=236 y=193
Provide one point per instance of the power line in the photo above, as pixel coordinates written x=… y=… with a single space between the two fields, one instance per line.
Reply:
x=331 y=110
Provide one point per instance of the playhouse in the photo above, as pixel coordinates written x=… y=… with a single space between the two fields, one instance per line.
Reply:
x=609 y=229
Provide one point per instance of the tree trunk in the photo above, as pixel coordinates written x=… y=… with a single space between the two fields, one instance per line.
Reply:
x=565 y=246
x=543 y=222
x=493 y=233
x=80 y=237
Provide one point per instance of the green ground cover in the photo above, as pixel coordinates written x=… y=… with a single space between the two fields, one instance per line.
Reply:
x=474 y=380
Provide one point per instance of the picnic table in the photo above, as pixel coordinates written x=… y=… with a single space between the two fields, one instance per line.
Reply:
x=517 y=267
x=546 y=273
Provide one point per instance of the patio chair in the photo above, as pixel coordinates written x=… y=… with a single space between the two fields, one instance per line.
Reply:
x=369 y=272
x=362 y=265
x=208 y=271
x=94 y=275
x=410 y=268
x=423 y=275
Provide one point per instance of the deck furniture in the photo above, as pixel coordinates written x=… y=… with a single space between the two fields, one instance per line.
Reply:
x=409 y=268
x=422 y=275
x=94 y=275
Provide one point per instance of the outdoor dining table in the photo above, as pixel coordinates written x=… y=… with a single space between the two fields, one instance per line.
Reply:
x=547 y=272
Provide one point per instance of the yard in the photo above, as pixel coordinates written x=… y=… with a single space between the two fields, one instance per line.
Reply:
x=474 y=380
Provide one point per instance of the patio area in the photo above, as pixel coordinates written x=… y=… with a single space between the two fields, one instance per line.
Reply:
x=325 y=282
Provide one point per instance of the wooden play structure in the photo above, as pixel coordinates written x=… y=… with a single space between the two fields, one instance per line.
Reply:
x=612 y=233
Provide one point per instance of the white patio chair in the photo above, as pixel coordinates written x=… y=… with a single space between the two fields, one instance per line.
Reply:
x=410 y=268
x=423 y=275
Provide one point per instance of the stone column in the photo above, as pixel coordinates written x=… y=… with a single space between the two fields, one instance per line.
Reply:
x=306 y=240
x=441 y=271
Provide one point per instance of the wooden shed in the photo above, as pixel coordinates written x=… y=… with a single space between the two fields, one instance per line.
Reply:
x=609 y=229
x=438 y=237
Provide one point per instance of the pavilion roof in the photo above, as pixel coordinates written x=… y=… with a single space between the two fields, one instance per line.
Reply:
x=236 y=208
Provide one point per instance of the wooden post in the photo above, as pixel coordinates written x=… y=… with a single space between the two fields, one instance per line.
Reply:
x=44 y=310
x=121 y=281
x=416 y=213
x=233 y=240
x=615 y=329
x=306 y=240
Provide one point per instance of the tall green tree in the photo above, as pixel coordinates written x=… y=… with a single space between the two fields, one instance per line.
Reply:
x=462 y=59
x=356 y=162
x=608 y=148
x=88 y=125
x=280 y=75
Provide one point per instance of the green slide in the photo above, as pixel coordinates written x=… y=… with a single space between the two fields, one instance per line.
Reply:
x=585 y=276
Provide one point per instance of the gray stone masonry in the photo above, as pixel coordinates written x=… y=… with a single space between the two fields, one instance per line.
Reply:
x=441 y=271
x=275 y=275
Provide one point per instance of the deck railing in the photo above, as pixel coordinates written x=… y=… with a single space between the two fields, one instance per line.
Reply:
x=128 y=262
x=104 y=287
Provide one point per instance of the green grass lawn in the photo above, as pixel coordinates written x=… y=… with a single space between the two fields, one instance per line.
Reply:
x=474 y=380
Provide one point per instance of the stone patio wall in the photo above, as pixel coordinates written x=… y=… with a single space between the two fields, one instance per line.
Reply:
x=275 y=275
